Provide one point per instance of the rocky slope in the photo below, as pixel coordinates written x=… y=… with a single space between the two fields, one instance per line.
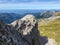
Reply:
x=20 y=32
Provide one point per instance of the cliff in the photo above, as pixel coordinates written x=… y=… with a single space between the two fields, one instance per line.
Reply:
x=20 y=32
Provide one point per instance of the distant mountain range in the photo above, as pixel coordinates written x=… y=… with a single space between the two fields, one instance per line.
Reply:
x=9 y=16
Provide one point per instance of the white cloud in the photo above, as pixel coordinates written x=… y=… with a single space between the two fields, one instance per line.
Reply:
x=31 y=5
x=18 y=1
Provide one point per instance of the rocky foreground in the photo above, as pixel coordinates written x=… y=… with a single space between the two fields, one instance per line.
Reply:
x=22 y=32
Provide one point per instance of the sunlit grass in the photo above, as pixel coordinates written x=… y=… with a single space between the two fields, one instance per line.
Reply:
x=51 y=30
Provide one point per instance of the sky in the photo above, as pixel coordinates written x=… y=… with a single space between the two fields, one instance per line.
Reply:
x=29 y=4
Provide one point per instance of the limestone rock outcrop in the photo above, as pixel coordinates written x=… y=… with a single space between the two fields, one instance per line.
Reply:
x=23 y=31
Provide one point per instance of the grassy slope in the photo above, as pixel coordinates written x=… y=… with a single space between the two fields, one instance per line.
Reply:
x=51 y=30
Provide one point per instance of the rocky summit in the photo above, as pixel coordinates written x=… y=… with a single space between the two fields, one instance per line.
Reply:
x=23 y=31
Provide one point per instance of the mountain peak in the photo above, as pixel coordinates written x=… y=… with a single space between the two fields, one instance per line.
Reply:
x=21 y=32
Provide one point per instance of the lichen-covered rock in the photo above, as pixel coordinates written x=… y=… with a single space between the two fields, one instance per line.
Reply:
x=25 y=25
x=20 y=32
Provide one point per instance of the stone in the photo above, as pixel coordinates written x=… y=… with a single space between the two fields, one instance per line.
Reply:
x=51 y=42
x=23 y=31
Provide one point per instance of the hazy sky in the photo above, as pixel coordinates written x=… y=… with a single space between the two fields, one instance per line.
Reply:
x=29 y=4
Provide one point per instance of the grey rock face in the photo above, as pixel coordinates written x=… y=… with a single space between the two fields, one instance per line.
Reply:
x=20 y=32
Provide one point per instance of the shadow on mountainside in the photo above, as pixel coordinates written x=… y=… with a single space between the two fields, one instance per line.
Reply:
x=44 y=40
